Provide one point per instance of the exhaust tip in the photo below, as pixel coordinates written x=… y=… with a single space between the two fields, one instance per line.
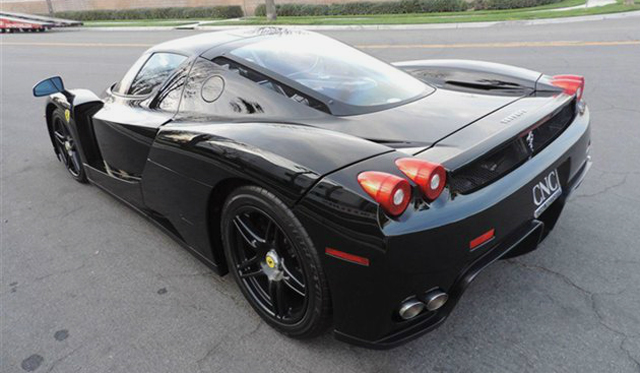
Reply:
x=435 y=299
x=411 y=309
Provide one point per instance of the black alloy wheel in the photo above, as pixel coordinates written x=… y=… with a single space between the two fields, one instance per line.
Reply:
x=273 y=261
x=65 y=145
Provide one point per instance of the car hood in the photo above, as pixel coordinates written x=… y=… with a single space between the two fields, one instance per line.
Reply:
x=421 y=123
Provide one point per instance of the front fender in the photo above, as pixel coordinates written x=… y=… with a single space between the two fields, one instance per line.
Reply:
x=73 y=100
x=81 y=104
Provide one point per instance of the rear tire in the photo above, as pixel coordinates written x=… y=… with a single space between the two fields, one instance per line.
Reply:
x=274 y=262
x=65 y=146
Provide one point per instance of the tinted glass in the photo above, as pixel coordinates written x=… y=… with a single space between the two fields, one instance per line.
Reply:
x=168 y=99
x=216 y=92
x=122 y=85
x=154 y=72
x=271 y=84
x=333 y=69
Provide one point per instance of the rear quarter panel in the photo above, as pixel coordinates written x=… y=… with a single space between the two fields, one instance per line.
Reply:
x=189 y=161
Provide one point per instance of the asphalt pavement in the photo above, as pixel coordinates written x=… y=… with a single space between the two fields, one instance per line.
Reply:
x=88 y=285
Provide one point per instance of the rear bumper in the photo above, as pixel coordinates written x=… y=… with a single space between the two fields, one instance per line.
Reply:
x=428 y=246
x=524 y=240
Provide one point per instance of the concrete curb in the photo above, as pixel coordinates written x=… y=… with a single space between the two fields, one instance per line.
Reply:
x=433 y=26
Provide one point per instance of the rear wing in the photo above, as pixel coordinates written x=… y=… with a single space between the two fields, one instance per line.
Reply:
x=489 y=133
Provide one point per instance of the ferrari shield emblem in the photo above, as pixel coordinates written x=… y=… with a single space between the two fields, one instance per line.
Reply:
x=270 y=262
x=67 y=115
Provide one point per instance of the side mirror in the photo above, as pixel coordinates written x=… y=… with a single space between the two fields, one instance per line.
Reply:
x=48 y=86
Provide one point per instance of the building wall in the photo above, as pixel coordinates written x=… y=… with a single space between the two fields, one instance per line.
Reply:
x=40 y=6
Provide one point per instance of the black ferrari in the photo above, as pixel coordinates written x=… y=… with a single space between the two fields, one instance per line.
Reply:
x=338 y=190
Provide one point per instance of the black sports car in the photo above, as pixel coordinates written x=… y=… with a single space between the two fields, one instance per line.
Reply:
x=337 y=189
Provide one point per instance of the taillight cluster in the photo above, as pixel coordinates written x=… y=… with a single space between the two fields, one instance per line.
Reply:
x=430 y=177
x=393 y=193
x=571 y=84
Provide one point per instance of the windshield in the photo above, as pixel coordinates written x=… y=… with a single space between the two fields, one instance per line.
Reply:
x=333 y=69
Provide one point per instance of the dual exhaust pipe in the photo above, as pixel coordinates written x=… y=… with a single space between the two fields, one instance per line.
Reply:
x=430 y=301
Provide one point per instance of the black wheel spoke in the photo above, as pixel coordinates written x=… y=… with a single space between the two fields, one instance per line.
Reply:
x=60 y=138
x=75 y=162
x=276 y=294
x=248 y=232
x=293 y=285
x=270 y=232
x=251 y=274
x=293 y=282
x=64 y=156
x=248 y=263
x=279 y=244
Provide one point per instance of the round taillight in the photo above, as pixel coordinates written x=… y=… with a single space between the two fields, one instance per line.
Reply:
x=430 y=177
x=570 y=84
x=435 y=182
x=391 y=192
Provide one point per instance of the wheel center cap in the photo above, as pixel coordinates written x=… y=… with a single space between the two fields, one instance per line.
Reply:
x=272 y=260
x=67 y=145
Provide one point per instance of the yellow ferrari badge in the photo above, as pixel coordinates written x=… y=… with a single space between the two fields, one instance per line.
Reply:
x=67 y=115
x=270 y=262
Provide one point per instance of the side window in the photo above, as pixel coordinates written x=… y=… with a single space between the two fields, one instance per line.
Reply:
x=154 y=72
x=192 y=100
x=271 y=84
x=122 y=86
x=168 y=98
x=218 y=89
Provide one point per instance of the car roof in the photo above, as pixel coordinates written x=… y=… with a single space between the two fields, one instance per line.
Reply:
x=198 y=44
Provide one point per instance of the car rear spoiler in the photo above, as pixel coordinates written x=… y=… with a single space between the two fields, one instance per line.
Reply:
x=482 y=137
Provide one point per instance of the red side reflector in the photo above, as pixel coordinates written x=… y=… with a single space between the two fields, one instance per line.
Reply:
x=346 y=256
x=482 y=239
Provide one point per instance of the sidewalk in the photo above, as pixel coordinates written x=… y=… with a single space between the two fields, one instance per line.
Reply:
x=589 y=4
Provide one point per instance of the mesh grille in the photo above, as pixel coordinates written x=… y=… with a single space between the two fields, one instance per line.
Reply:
x=509 y=156
x=549 y=130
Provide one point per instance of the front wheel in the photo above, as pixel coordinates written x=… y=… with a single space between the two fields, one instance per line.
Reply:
x=65 y=146
x=274 y=262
